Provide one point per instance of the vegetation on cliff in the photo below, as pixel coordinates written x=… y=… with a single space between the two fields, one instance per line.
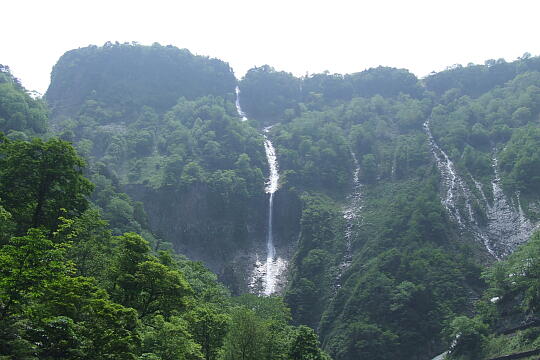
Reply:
x=380 y=269
x=71 y=289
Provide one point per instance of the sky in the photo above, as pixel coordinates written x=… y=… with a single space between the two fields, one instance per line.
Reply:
x=298 y=36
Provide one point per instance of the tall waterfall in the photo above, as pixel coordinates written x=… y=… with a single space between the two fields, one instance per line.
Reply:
x=271 y=188
x=267 y=272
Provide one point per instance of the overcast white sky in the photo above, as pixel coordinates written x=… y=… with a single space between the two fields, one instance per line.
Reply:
x=298 y=36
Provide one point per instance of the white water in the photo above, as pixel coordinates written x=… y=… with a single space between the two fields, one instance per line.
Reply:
x=238 y=107
x=441 y=356
x=455 y=188
x=506 y=226
x=350 y=213
x=268 y=272
x=451 y=181
x=506 y=223
x=271 y=187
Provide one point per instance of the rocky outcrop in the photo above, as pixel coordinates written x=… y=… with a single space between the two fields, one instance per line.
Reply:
x=505 y=226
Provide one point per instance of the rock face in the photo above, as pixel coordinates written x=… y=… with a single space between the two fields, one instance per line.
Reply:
x=196 y=227
x=226 y=241
x=505 y=226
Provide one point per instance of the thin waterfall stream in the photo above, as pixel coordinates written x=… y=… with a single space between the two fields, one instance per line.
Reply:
x=271 y=188
x=267 y=272
x=238 y=107
x=351 y=212
x=456 y=189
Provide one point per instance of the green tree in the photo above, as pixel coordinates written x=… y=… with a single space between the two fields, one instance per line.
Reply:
x=41 y=181
x=209 y=327
x=305 y=345
x=92 y=247
x=74 y=316
x=245 y=339
x=6 y=225
x=20 y=114
x=469 y=335
x=46 y=310
x=159 y=289
x=170 y=340
x=27 y=264
x=140 y=281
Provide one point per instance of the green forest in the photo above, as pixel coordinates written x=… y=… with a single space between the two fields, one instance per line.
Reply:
x=133 y=210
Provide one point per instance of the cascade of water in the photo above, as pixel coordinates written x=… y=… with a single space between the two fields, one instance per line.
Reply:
x=351 y=215
x=268 y=273
x=350 y=212
x=271 y=188
x=455 y=187
x=238 y=107
x=451 y=181
x=506 y=223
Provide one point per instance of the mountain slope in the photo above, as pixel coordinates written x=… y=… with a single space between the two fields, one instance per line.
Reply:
x=163 y=124
x=394 y=191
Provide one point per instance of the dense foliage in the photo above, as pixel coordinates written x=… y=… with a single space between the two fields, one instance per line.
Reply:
x=379 y=270
x=39 y=181
x=366 y=286
x=506 y=320
x=20 y=114
x=111 y=74
x=71 y=290
x=267 y=93
x=169 y=136
x=474 y=80
x=276 y=96
x=405 y=275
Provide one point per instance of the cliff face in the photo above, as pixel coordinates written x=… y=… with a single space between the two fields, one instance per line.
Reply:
x=191 y=221
x=499 y=223
x=225 y=239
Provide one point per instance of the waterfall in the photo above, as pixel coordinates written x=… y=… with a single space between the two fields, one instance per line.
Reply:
x=452 y=182
x=350 y=212
x=351 y=215
x=456 y=188
x=267 y=273
x=238 y=107
x=271 y=188
x=506 y=226
x=448 y=174
x=506 y=222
